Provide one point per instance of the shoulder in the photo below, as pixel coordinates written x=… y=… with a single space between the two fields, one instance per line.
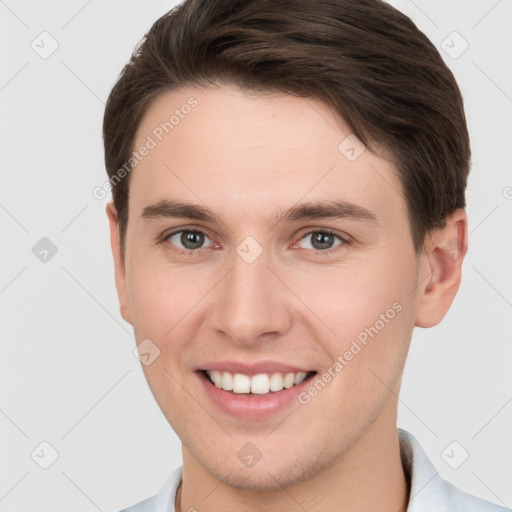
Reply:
x=147 y=505
x=460 y=501
x=428 y=491
x=161 y=502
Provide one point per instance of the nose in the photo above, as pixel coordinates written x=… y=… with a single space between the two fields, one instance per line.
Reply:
x=251 y=304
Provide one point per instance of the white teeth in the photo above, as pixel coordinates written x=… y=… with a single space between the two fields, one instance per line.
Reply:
x=260 y=384
x=227 y=381
x=276 y=382
x=289 y=380
x=299 y=377
x=241 y=383
x=216 y=376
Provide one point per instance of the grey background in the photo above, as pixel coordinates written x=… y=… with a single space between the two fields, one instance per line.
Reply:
x=68 y=373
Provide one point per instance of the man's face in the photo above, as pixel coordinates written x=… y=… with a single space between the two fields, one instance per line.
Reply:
x=265 y=285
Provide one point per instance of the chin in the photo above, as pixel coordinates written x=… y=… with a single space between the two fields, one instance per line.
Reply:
x=270 y=473
x=254 y=479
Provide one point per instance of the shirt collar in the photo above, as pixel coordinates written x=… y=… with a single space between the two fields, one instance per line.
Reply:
x=423 y=477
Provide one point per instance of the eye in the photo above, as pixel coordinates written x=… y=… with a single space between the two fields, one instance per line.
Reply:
x=187 y=239
x=321 y=240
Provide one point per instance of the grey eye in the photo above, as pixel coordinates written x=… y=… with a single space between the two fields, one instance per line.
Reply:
x=188 y=239
x=321 y=240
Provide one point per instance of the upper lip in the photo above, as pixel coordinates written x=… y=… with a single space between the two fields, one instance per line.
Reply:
x=253 y=368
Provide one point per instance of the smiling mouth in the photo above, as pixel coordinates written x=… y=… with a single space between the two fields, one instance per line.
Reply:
x=255 y=385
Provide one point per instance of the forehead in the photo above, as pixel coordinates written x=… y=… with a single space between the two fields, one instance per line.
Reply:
x=222 y=143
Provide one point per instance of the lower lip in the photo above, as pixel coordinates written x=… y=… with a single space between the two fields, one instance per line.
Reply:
x=252 y=407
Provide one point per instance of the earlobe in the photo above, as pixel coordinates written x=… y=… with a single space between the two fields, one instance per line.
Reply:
x=445 y=250
x=119 y=261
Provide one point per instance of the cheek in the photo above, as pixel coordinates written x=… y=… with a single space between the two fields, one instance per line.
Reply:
x=364 y=317
x=162 y=306
x=348 y=300
x=161 y=297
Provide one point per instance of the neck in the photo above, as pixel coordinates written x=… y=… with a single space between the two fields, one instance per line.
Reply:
x=369 y=477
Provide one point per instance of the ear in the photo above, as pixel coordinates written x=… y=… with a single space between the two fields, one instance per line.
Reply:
x=119 y=262
x=445 y=249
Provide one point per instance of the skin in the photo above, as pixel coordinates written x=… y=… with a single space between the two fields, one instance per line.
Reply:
x=248 y=157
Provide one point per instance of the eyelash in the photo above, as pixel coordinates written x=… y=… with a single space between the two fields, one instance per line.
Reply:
x=191 y=252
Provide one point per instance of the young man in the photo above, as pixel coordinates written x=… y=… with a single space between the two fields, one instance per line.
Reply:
x=288 y=204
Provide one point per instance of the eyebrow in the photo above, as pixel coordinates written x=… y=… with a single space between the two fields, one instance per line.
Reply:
x=301 y=212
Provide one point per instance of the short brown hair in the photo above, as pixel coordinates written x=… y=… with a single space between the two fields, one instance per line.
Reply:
x=364 y=59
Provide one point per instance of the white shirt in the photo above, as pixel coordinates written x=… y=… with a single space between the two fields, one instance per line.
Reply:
x=429 y=492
